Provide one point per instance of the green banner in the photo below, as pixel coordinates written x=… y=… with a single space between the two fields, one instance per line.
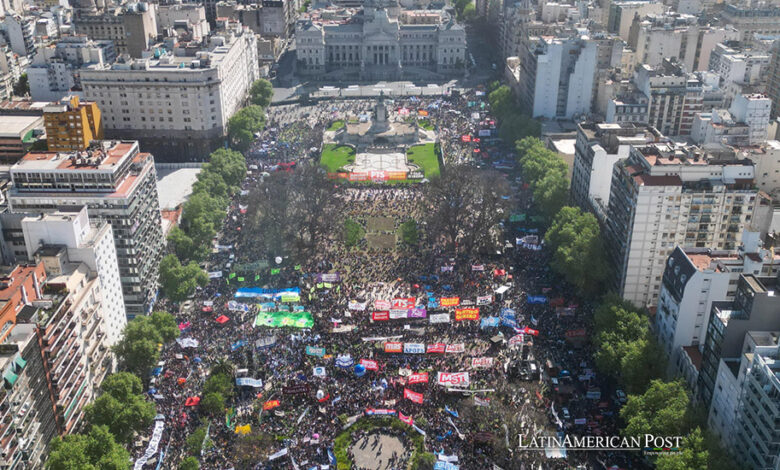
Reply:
x=284 y=319
x=290 y=298
x=275 y=271
x=517 y=217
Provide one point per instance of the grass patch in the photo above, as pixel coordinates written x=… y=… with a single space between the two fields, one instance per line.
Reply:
x=419 y=459
x=335 y=156
x=425 y=124
x=336 y=125
x=425 y=157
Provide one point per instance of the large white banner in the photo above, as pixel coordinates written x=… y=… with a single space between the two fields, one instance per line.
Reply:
x=154 y=443
x=453 y=378
x=439 y=318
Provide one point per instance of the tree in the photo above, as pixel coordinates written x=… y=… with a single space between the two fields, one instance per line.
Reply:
x=516 y=126
x=96 y=450
x=409 y=233
x=250 y=448
x=183 y=245
x=165 y=325
x=213 y=403
x=463 y=208
x=662 y=410
x=122 y=408
x=243 y=126
x=502 y=102
x=353 y=232
x=551 y=193
x=693 y=455
x=293 y=210
x=195 y=441
x=190 y=463
x=261 y=92
x=179 y=281
x=212 y=183
x=644 y=360
x=137 y=351
x=578 y=249
x=219 y=383
x=228 y=164
x=470 y=12
x=223 y=367
x=22 y=87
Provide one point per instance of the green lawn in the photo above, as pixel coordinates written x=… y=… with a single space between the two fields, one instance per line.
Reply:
x=335 y=156
x=425 y=124
x=336 y=125
x=425 y=157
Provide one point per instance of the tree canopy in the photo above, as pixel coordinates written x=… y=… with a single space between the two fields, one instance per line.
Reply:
x=292 y=210
x=578 y=249
x=180 y=281
x=261 y=92
x=243 y=126
x=122 y=407
x=95 y=450
x=662 y=410
x=137 y=350
x=463 y=208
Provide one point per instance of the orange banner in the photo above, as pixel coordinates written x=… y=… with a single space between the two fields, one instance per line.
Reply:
x=449 y=301
x=466 y=314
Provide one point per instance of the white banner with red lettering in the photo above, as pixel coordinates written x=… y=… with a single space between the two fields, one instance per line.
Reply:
x=450 y=379
x=421 y=377
x=481 y=362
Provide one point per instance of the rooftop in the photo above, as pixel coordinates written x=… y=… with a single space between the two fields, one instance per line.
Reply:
x=106 y=156
x=16 y=126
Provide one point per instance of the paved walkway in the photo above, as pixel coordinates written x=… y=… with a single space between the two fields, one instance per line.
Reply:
x=378 y=451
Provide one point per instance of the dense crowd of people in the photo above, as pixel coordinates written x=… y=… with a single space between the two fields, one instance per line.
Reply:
x=311 y=383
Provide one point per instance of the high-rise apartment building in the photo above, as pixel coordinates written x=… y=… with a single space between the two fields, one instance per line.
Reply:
x=117 y=183
x=773 y=80
x=72 y=125
x=597 y=149
x=556 y=76
x=693 y=279
x=674 y=96
x=666 y=195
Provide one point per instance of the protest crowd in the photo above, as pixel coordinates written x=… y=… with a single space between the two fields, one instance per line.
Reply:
x=467 y=350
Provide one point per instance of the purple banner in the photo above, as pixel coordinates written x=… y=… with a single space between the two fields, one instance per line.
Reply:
x=328 y=277
x=417 y=312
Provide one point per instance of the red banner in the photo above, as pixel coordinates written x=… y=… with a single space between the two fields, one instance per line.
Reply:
x=380 y=316
x=466 y=314
x=369 y=364
x=413 y=396
x=449 y=301
x=530 y=331
x=436 y=348
x=422 y=377
x=394 y=347
x=403 y=302
x=465 y=138
x=269 y=405
x=557 y=302
x=578 y=333
x=406 y=419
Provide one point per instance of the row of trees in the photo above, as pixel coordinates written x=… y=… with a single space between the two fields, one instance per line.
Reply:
x=121 y=410
x=573 y=236
x=514 y=123
x=202 y=217
x=626 y=349
x=251 y=119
